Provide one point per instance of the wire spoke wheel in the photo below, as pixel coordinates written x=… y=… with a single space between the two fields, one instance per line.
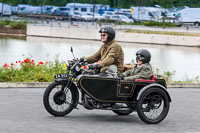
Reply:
x=153 y=106
x=58 y=99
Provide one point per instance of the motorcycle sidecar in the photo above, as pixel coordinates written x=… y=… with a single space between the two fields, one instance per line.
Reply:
x=150 y=97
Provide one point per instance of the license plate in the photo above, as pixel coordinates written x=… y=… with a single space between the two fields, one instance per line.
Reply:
x=60 y=76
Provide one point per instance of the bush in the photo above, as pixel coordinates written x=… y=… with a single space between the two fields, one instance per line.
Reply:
x=2 y=24
x=30 y=71
x=17 y=25
x=154 y=23
x=7 y=22
x=106 y=21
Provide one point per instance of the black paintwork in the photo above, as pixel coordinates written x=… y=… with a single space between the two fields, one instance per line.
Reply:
x=104 y=89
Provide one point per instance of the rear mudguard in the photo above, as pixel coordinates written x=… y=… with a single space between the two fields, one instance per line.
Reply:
x=71 y=84
x=150 y=86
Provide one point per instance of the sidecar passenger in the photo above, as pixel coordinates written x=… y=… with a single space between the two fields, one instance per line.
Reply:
x=142 y=70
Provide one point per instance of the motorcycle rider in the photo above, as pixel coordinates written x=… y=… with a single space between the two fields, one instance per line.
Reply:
x=110 y=52
x=142 y=70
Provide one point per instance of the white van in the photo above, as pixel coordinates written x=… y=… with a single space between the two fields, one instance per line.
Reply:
x=6 y=9
x=189 y=16
x=146 y=13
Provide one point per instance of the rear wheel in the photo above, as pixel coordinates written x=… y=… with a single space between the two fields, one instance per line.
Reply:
x=58 y=99
x=153 y=106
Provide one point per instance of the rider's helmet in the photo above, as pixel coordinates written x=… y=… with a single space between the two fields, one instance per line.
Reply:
x=143 y=55
x=110 y=31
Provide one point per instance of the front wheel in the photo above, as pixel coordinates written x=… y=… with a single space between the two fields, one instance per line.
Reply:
x=60 y=100
x=153 y=106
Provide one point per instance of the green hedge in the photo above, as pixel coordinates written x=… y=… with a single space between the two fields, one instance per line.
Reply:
x=154 y=23
x=17 y=25
x=106 y=21
x=2 y=24
x=7 y=22
x=30 y=71
x=145 y=23
x=13 y=24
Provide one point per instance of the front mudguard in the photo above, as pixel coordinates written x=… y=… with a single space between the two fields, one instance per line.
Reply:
x=150 y=86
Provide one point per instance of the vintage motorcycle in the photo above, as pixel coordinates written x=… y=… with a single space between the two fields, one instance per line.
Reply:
x=149 y=98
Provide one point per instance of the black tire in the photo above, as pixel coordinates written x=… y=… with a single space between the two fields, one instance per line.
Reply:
x=153 y=106
x=56 y=100
x=122 y=112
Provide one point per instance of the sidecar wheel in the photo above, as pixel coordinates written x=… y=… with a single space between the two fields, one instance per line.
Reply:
x=58 y=99
x=122 y=112
x=153 y=106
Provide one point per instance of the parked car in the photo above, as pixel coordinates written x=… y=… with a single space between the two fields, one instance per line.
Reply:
x=121 y=18
x=14 y=10
x=96 y=16
x=48 y=10
x=61 y=11
x=108 y=14
x=129 y=15
x=81 y=16
x=28 y=9
x=86 y=16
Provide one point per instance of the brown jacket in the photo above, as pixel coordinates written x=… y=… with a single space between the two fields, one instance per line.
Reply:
x=142 y=72
x=109 y=54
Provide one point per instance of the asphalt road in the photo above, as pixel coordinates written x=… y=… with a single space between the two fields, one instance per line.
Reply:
x=22 y=111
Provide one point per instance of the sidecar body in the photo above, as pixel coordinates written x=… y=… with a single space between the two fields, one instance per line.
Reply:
x=106 y=89
x=149 y=98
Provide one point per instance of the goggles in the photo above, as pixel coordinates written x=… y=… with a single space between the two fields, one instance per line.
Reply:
x=139 y=58
x=103 y=30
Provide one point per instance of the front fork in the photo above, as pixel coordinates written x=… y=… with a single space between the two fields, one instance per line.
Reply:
x=66 y=86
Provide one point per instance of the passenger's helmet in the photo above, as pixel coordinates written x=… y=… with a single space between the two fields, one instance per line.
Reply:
x=145 y=55
x=110 y=31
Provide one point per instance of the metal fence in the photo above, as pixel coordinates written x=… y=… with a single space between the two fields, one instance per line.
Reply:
x=57 y=22
x=91 y=25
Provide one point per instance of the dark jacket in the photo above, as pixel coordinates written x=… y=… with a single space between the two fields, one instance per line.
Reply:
x=109 y=54
x=139 y=72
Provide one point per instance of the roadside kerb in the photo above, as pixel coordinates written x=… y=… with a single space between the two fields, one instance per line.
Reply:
x=45 y=84
x=24 y=84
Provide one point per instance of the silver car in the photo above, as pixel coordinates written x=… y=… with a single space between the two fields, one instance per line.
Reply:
x=121 y=18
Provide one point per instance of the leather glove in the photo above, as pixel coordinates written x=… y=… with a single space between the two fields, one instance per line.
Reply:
x=82 y=59
x=121 y=76
x=94 y=66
